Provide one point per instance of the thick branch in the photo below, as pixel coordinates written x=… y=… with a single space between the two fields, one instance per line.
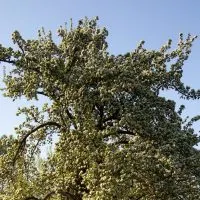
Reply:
x=119 y=131
x=101 y=114
x=50 y=123
x=125 y=132
x=42 y=93
x=23 y=140
x=71 y=117
x=8 y=61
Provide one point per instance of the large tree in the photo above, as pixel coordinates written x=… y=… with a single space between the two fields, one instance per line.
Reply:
x=116 y=136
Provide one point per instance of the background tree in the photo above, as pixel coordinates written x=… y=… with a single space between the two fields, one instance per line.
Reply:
x=117 y=137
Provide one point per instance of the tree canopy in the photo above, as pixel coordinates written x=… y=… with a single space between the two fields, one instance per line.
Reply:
x=118 y=138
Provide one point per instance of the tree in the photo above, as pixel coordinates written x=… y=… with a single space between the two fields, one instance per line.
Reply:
x=117 y=137
x=6 y=142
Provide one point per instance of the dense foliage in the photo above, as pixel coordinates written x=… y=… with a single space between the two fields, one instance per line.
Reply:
x=117 y=137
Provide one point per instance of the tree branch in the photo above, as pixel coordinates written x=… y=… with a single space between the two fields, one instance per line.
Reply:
x=114 y=116
x=143 y=195
x=31 y=198
x=23 y=140
x=48 y=196
x=68 y=194
x=8 y=61
x=71 y=117
x=101 y=114
x=125 y=132
x=42 y=93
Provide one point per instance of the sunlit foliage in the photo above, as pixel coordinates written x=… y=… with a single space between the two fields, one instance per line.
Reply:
x=117 y=137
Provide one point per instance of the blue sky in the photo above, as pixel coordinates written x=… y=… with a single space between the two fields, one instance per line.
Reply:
x=127 y=21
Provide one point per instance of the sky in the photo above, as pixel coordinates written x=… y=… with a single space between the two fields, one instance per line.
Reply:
x=128 y=22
